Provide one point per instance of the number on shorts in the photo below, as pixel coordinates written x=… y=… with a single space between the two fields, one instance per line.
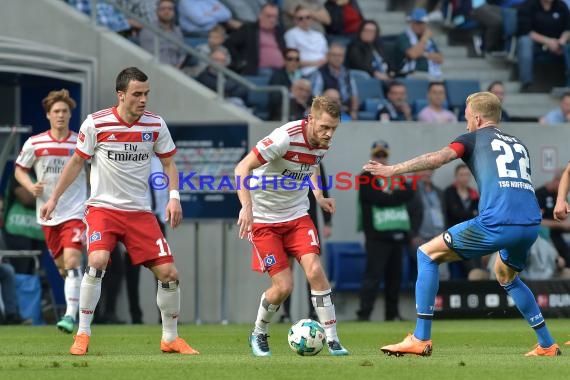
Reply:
x=77 y=235
x=314 y=238
x=161 y=243
x=507 y=157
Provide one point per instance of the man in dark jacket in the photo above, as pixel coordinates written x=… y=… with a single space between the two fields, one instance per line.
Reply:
x=249 y=55
x=386 y=224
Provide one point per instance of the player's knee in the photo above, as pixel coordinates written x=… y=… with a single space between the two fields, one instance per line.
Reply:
x=284 y=288
x=167 y=274
x=504 y=277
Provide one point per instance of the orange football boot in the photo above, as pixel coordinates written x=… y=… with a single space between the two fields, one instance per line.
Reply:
x=178 y=345
x=80 y=345
x=538 y=350
x=410 y=345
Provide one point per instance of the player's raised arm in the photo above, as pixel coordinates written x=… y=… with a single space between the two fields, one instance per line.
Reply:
x=173 y=208
x=70 y=171
x=432 y=160
x=561 y=208
x=242 y=171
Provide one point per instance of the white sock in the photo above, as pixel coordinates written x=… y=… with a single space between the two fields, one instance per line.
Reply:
x=89 y=295
x=265 y=313
x=168 y=301
x=72 y=285
x=324 y=307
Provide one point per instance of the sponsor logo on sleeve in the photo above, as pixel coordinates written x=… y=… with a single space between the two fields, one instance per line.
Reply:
x=266 y=142
x=81 y=137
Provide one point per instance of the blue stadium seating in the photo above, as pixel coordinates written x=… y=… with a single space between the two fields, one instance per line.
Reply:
x=368 y=88
x=510 y=32
x=346 y=262
x=258 y=100
x=361 y=74
x=415 y=88
x=370 y=109
x=458 y=90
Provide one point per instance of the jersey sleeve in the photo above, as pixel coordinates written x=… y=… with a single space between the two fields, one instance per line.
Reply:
x=164 y=145
x=26 y=157
x=86 y=139
x=464 y=145
x=273 y=146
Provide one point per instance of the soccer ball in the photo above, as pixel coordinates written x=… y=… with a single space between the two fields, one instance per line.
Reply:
x=307 y=337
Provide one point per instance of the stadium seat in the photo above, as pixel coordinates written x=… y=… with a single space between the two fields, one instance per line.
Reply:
x=258 y=100
x=195 y=41
x=368 y=88
x=458 y=90
x=370 y=109
x=415 y=88
x=361 y=74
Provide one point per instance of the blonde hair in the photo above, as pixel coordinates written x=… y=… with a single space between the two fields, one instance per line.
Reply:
x=58 y=96
x=325 y=104
x=486 y=104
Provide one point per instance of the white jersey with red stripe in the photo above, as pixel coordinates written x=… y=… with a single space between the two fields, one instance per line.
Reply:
x=288 y=162
x=121 y=154
x=47 y=157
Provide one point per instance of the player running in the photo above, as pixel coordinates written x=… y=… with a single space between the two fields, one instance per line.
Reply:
x=120 y=141
x=275 y=216
x=508 y=221
x=47 y=153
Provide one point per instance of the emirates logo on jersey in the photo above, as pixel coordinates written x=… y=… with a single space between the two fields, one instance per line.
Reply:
x=266 y=142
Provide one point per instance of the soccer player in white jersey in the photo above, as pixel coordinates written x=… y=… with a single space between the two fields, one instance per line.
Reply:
x=120 y=142
x=47 y=153
x=274 y=216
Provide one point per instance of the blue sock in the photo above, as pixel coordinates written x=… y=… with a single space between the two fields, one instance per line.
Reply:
x=426 y=290
x=526 y=303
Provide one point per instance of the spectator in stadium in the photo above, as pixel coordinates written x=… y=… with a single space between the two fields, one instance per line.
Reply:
x=417 y=48
x=397 y=107
x=386 y=225
x=107 y=16
x=544 y=31
x=312 y=45
x=216 y=38
x=508 y=221
x=257 y=48
x=9 y=297
x=233 y=91
x=320 y=15
x=558 y=115
x=335 y=75
x=300 y=99
x=284 y=77
x=197 y=17
x=145 y=9
x=346 y=18
x=365 y=53
x=427 y=215
x=333 y=94
x=547 y=196
x=435 y=111
x=498 y=88
x=461 y=204
x=244 y=10
x=278 y=225
x=169 y=53
x=114 y=205
x=46 y=154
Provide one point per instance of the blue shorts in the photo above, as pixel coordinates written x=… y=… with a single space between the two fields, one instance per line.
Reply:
x=472 y=239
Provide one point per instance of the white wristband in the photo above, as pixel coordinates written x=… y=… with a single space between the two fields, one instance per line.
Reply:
x=174 y=194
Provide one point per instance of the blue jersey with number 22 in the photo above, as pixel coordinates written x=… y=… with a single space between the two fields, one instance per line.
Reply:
x=500 y=164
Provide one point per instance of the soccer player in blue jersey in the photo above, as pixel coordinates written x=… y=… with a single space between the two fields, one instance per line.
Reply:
x=508 y=221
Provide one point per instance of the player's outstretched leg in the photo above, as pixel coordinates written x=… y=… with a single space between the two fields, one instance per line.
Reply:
x=258 y=337
x=89 y=295
x=324 y=307
x=567 y=343
x=427 y=285
x=526 y=303
x=168 y=301
x=72 y=286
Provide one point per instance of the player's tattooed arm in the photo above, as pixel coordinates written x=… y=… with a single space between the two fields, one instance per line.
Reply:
x=431 y=160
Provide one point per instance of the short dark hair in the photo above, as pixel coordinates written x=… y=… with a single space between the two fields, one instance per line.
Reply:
x=494 y=83
x=127 y=75
x=392 y=84
x=435 y=83
x=459 y=167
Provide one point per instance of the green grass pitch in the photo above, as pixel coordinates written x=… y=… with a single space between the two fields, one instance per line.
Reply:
x=467 y=349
